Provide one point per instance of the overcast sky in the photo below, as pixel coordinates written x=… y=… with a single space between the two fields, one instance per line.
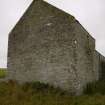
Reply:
x=90 y=13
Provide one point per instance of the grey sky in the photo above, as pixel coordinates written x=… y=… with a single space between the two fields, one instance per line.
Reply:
x=90 y=13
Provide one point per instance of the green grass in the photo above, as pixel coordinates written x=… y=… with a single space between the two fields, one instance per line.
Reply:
x=36 y=93
x=3 y=72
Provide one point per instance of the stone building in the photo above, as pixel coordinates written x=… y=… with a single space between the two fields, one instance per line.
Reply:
x=51 y=46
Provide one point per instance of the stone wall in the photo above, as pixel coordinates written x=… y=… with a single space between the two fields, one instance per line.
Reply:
x=49 y=45
x=85 y=55
x=97 y=64
x=100 y=66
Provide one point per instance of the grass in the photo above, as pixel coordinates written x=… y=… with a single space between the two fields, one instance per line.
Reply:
x=3 y=72
x=36 y=93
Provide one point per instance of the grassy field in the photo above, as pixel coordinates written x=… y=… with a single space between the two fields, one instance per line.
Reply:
x=3 y=72
x=12 y=93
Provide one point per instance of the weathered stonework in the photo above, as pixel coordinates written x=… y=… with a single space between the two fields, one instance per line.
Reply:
x=100 y=66
x=49 y=45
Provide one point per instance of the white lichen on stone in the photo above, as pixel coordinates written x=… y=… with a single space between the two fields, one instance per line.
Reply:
x=48 y=24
